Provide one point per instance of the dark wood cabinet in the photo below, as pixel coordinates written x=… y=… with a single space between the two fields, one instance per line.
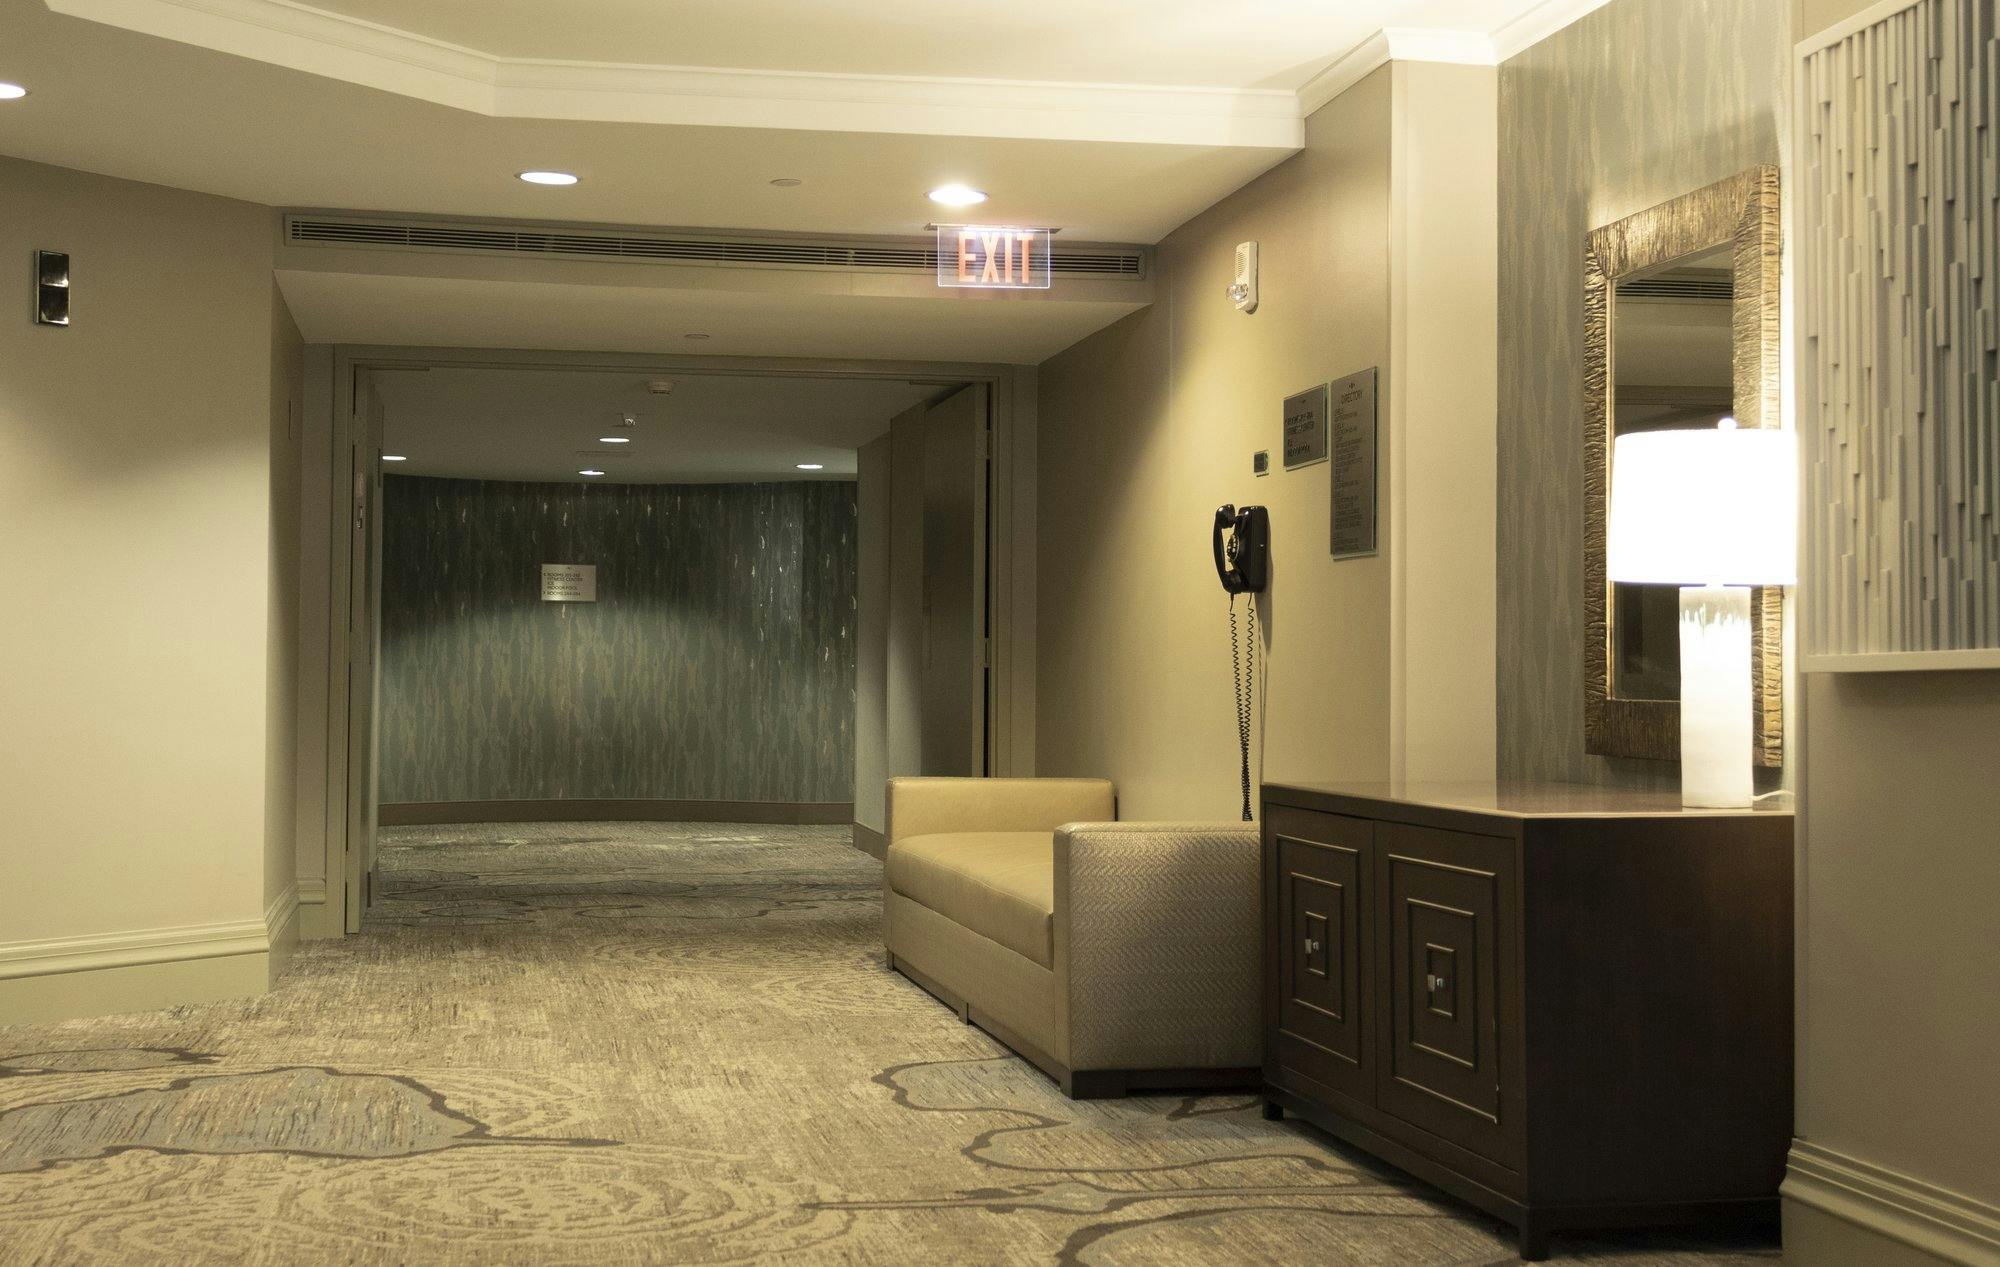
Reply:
x=1568 y=1006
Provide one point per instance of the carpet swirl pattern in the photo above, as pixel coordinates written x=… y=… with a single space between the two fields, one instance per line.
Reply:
x=655 y=1043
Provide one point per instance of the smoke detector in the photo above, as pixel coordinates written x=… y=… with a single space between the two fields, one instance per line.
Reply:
x=660 y=386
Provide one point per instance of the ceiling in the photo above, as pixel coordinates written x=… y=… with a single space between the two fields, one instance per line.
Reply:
x=1242 y=44
x=542 y=425
x=1113 y=120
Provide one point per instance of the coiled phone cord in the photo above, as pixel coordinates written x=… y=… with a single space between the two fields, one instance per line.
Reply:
x=1245 y=673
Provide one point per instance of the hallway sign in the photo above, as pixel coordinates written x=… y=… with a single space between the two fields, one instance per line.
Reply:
x=569 y=582
x=992 y=257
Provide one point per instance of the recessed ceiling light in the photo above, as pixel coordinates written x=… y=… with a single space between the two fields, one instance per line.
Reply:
x=548 y=178
x=614 y=439
x=394 y=457
x=812 y=466
x=788 y=182
x=958 y=195
x=12 y=92
x=589 y=471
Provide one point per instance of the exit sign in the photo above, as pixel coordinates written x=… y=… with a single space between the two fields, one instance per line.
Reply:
x=992 y=257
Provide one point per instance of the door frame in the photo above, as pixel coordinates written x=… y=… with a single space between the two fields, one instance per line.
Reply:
x=336 y=817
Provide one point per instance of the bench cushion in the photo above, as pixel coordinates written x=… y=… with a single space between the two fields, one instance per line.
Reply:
x=1000 y=885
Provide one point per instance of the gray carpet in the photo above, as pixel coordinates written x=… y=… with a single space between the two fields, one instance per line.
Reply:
x=647 y=1043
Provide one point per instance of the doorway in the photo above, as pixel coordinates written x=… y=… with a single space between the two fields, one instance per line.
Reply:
x=933 y=699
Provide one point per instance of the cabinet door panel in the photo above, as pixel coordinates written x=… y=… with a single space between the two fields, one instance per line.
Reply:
x=1317 y=875
x=1446 y=924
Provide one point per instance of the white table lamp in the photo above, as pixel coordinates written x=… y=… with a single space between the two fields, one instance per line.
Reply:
x=1714 y=511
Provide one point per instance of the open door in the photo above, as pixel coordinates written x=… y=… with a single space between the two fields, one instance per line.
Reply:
x=364 y=638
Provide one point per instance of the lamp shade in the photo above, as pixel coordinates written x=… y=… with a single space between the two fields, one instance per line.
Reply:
x=1713 y=506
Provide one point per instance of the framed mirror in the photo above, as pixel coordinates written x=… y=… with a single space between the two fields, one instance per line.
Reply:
x=1681 y=329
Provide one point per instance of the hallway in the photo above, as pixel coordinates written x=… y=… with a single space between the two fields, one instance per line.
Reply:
x=609 y=1043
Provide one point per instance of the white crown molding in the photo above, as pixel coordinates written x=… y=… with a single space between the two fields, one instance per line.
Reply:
x=318 y=42
x=1537 y=24
x=132 y=949
x=1941 y=1222
x=1347 y=70
x=1393 y=44
x=299 y=37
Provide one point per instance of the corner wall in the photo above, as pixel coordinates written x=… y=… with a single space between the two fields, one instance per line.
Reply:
x=135 y=495
x=1375 y=250
x=281 y=713
x=1896 y=1164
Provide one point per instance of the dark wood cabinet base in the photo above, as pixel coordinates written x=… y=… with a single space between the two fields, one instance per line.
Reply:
x=1533 y=1225
x=1568 y=1007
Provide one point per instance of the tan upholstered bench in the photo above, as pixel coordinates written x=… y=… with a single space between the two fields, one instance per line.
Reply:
x=1114 y=956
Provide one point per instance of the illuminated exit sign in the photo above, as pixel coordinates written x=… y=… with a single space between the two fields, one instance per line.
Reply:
x=992 y=257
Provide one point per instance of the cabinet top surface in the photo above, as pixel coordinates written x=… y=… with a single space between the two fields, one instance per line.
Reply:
x=1527 y=800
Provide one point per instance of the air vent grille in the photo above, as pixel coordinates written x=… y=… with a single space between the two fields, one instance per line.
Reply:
x=874 y=255
x=1707 y=289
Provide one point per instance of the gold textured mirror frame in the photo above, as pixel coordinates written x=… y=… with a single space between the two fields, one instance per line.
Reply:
x=1742 y=211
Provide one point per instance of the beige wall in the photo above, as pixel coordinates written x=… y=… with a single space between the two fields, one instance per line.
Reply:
x=1372 y=249
x=135 y=493
x=1443 y=257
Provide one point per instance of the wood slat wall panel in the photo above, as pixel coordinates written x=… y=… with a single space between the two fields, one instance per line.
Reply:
x=1898 y=263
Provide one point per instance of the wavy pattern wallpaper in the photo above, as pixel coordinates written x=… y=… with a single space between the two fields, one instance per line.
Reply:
x=1634 y=104
x=716 y=664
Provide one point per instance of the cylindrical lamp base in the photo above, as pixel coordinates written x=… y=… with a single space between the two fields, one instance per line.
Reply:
x=1715 y=697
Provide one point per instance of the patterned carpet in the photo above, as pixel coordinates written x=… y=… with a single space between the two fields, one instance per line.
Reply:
x=645 y=1043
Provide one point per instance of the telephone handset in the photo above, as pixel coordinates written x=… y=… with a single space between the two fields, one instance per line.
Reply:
x=1242 y=543
x=1243 y=555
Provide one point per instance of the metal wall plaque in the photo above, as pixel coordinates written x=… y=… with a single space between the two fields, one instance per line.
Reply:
x=569 y=582
x=1305 y=428
x=52 y=288
x=1353 y=443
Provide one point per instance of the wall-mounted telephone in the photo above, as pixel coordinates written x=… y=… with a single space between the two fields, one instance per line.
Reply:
x=1242 y=544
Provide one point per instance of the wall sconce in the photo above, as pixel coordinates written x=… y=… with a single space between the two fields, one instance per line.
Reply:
x=1715 y=512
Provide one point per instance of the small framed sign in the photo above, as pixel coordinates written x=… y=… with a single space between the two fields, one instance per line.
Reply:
x=569 y=582
x=1353 y=528
x=1305 y=428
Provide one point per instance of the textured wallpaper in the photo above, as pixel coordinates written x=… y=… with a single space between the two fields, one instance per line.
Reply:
x=1640 y=102
x=717 y=663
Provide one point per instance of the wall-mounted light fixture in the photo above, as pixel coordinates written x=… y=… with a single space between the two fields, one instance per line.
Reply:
x=51 y=288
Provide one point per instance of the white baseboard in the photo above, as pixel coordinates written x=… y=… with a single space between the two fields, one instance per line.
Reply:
x=281 y=923
x=318 y=918
x=67 y=977
x=1881 y=1204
